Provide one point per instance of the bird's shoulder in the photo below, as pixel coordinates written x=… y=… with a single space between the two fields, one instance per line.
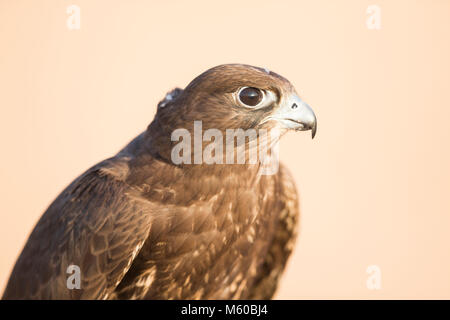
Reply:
x=98 y=223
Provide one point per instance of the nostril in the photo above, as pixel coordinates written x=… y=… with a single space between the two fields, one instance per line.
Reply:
x=294 y=106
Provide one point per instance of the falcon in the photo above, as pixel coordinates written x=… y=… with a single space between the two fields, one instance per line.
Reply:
x=140 y=225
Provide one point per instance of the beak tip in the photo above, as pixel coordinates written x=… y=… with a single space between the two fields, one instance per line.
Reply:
x=313 y=132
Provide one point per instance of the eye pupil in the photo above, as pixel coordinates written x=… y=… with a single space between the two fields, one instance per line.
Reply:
x=250 y=96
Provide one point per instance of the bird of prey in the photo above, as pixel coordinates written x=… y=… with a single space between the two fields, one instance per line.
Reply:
x=140 y=226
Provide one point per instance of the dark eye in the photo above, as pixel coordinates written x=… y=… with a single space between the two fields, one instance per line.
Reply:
x=251 y=96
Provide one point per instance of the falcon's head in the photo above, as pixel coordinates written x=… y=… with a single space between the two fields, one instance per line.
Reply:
x=233 y=96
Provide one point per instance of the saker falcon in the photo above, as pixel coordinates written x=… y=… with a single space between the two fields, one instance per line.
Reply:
x=139 y=226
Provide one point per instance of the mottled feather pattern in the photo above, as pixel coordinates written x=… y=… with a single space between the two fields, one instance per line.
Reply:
x=100 y=234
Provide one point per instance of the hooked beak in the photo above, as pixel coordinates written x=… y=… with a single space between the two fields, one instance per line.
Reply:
x=297 y=115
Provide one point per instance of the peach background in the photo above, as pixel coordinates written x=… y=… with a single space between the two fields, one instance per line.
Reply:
x=374 y=183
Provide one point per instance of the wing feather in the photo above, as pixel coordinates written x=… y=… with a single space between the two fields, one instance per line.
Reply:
x=98 y=223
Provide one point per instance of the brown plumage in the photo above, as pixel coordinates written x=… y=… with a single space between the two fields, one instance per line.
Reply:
x=141 y=227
